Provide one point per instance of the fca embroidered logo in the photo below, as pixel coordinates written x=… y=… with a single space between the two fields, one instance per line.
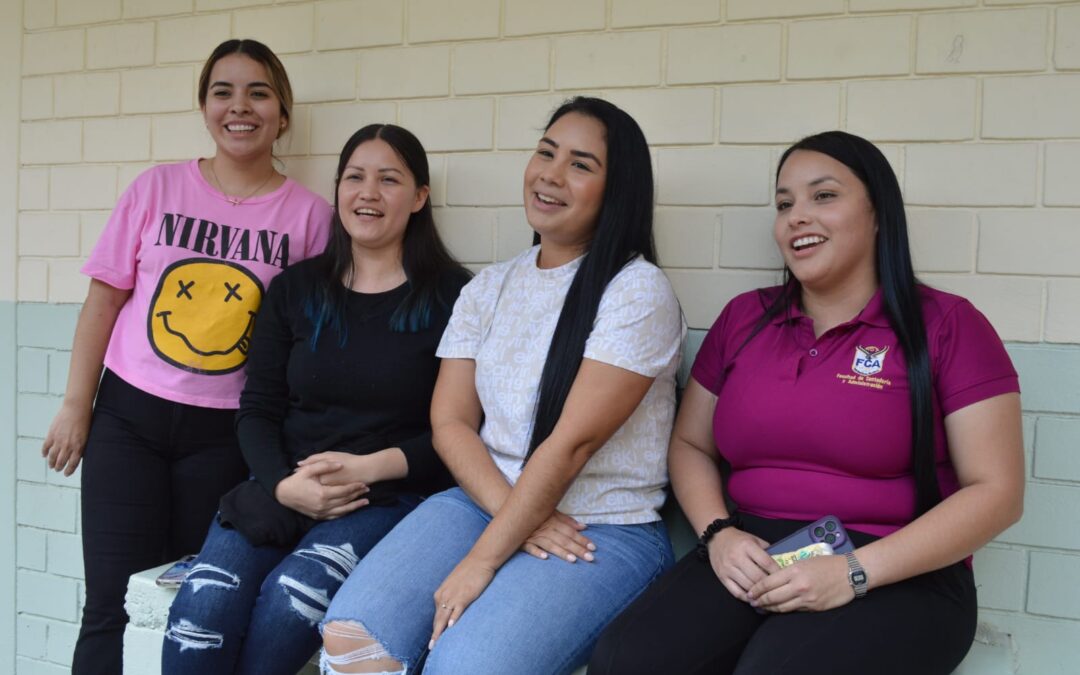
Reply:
x=869 y=360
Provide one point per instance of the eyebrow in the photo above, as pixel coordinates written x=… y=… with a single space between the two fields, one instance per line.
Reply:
x=575 y=153
x=817 y=181
x=385 y=169
x=223 y=83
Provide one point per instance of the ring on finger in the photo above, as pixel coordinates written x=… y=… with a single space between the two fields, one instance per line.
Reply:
x=444 y=606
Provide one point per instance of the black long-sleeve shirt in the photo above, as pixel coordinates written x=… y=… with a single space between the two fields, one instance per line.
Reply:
x=373 y=392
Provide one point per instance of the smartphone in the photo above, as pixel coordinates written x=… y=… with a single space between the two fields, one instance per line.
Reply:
x=827 y=530
x=175 y=575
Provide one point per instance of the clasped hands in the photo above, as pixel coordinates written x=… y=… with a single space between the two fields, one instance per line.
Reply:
x=327 y=485
x=749 y=573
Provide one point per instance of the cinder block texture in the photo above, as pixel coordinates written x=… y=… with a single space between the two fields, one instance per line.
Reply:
x=48 y=234
x=746 y=239
x=490 y=67
x=942 y=240
x=87 y=94
x=1012 y=304
x=885 y=5
x=849 y=47
x=512 y=233
x=160 y=89
x=940 y=109
x=1067 y=38
x=50 y=142
x=1001 y=577
x=37 y=98
x=179 y=137
x=46 y=595
x=82 y=187
x=1062 y=319
x=33 y=189
x=1057 y=448
x=137 y=9
x=286 y=29
x=1054 y=585
x=1059 y=179
x=762 y=113
x=609 y=60
x=358 y=23
x=670 y=116
x=1019 y=242
x=1046 y=374
x=461 y=124
x=405 y=73
x=332 y=125
x=308 y=75
x=629 y=13
x=53 y=52
x=434 y=20
x=527 y=17
x=116 y=140
x=971 y=175
x=120 y=45
x=486 y=179
x=735 y=175
x=522 y=119
x=686 y=237
x=469 y=233
x=972 y=42
x=724 y=54
x=738 y=10
x=75 y=12
x=38 y=14
x=701 y=309
x=1031 y=107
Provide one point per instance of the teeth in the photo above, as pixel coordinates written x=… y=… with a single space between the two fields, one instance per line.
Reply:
x=240 y=127
x=803 y=242
x=367 y=212
x=548 y=200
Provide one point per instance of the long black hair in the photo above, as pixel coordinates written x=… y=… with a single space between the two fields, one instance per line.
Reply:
x=623 y=231
x=423 y=254
x=899 y=290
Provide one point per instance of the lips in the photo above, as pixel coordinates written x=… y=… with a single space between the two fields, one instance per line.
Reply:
x=808 y=241
x=369 y=213
x=239 y=127
x=545 y=202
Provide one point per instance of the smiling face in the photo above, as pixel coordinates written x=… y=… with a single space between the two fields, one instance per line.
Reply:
x=376 y=195
x=202 y=315
x=564 y=181
x=825 y=226
x=242 y=111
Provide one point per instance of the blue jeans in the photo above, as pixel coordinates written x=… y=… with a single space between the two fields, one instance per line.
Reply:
x=537 y=616
x=255 y=609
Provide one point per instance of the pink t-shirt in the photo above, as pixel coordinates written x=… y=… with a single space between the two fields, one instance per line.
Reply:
x=198 y=267
x=816 y=426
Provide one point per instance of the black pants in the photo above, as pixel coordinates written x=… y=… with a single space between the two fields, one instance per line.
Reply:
x=687 y=622
x=152 y=475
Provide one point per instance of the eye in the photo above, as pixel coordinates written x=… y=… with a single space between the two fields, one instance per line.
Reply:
x=823 y=195
x=582 y=165
x=544 y=152
x=221 y=93
x=258 y=93
x=783 y=205
x=352 y=177
x=390 y=179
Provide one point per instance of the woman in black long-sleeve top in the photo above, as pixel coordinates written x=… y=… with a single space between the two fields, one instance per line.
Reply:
x=333 y=422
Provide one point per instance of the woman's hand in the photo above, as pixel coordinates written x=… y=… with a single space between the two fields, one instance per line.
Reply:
x=560 y=535
x=353 y=468
x=457 y=592
x=66 y=439
x=740 y=561
x=814 y=585
x=303 y=491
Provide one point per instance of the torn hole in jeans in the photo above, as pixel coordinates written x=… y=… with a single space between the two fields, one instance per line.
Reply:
x=368 y=649
x=190 y=636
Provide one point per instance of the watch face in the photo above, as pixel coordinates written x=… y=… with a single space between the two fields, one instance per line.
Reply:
x=858 y=578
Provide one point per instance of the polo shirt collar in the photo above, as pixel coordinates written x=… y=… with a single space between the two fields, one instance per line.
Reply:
x=873 y=314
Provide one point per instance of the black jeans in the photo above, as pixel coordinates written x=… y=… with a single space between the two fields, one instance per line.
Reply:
x=687 y=622
x=152 y=475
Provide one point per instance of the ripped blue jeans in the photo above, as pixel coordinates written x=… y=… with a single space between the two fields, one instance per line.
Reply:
x=256 y=609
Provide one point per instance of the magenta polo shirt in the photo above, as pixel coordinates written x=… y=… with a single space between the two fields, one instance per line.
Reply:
x=816 y=426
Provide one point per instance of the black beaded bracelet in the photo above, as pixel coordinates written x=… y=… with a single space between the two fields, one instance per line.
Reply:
x=710 y=531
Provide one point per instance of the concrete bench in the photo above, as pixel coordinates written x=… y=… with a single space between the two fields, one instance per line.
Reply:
x=148 y=607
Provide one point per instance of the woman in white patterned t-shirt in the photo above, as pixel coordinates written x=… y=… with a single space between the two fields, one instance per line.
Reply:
x=552 y=409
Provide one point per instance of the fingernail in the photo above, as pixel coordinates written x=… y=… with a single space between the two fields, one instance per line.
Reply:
x=591 y=546
x=753 y=602
x=590 y=557
x=543 y=556
x=571 y=558
x=450 y=623
x=431 y=645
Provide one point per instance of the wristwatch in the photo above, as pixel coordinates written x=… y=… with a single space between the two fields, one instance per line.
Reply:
x=856 y=575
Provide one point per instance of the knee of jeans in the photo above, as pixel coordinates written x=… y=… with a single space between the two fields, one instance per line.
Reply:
x=309 y=579
x=191 y=608
x=348 y=647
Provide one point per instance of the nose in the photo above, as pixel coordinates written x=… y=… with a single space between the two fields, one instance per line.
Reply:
x=553 y=173
x=240 y=104
x=368 y=189
x=798 y=216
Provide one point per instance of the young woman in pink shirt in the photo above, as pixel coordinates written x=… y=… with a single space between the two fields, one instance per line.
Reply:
x=852 y=391
x=176 y=281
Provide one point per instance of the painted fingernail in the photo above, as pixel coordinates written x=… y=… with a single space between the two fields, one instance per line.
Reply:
x=431 y=645
x=590 y=557
x=449 y=623
x=571 y=558
x=543 y=556
x=591 y=546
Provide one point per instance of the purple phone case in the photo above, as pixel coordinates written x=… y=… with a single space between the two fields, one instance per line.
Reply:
x=827 y=529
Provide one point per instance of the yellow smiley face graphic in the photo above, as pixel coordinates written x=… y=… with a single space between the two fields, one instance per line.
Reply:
x=202 y=315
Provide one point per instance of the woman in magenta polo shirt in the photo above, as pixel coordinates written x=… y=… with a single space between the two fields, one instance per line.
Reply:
x=850 y=390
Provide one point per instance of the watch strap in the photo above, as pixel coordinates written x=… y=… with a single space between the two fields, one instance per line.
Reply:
x=856 y=575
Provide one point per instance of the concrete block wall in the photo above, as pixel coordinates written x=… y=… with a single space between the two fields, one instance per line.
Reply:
x=973 y=101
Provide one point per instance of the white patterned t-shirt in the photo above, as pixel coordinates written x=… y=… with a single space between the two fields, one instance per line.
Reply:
x=504 y=320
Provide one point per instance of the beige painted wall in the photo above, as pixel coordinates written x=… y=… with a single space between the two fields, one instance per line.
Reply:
x=975 y=102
